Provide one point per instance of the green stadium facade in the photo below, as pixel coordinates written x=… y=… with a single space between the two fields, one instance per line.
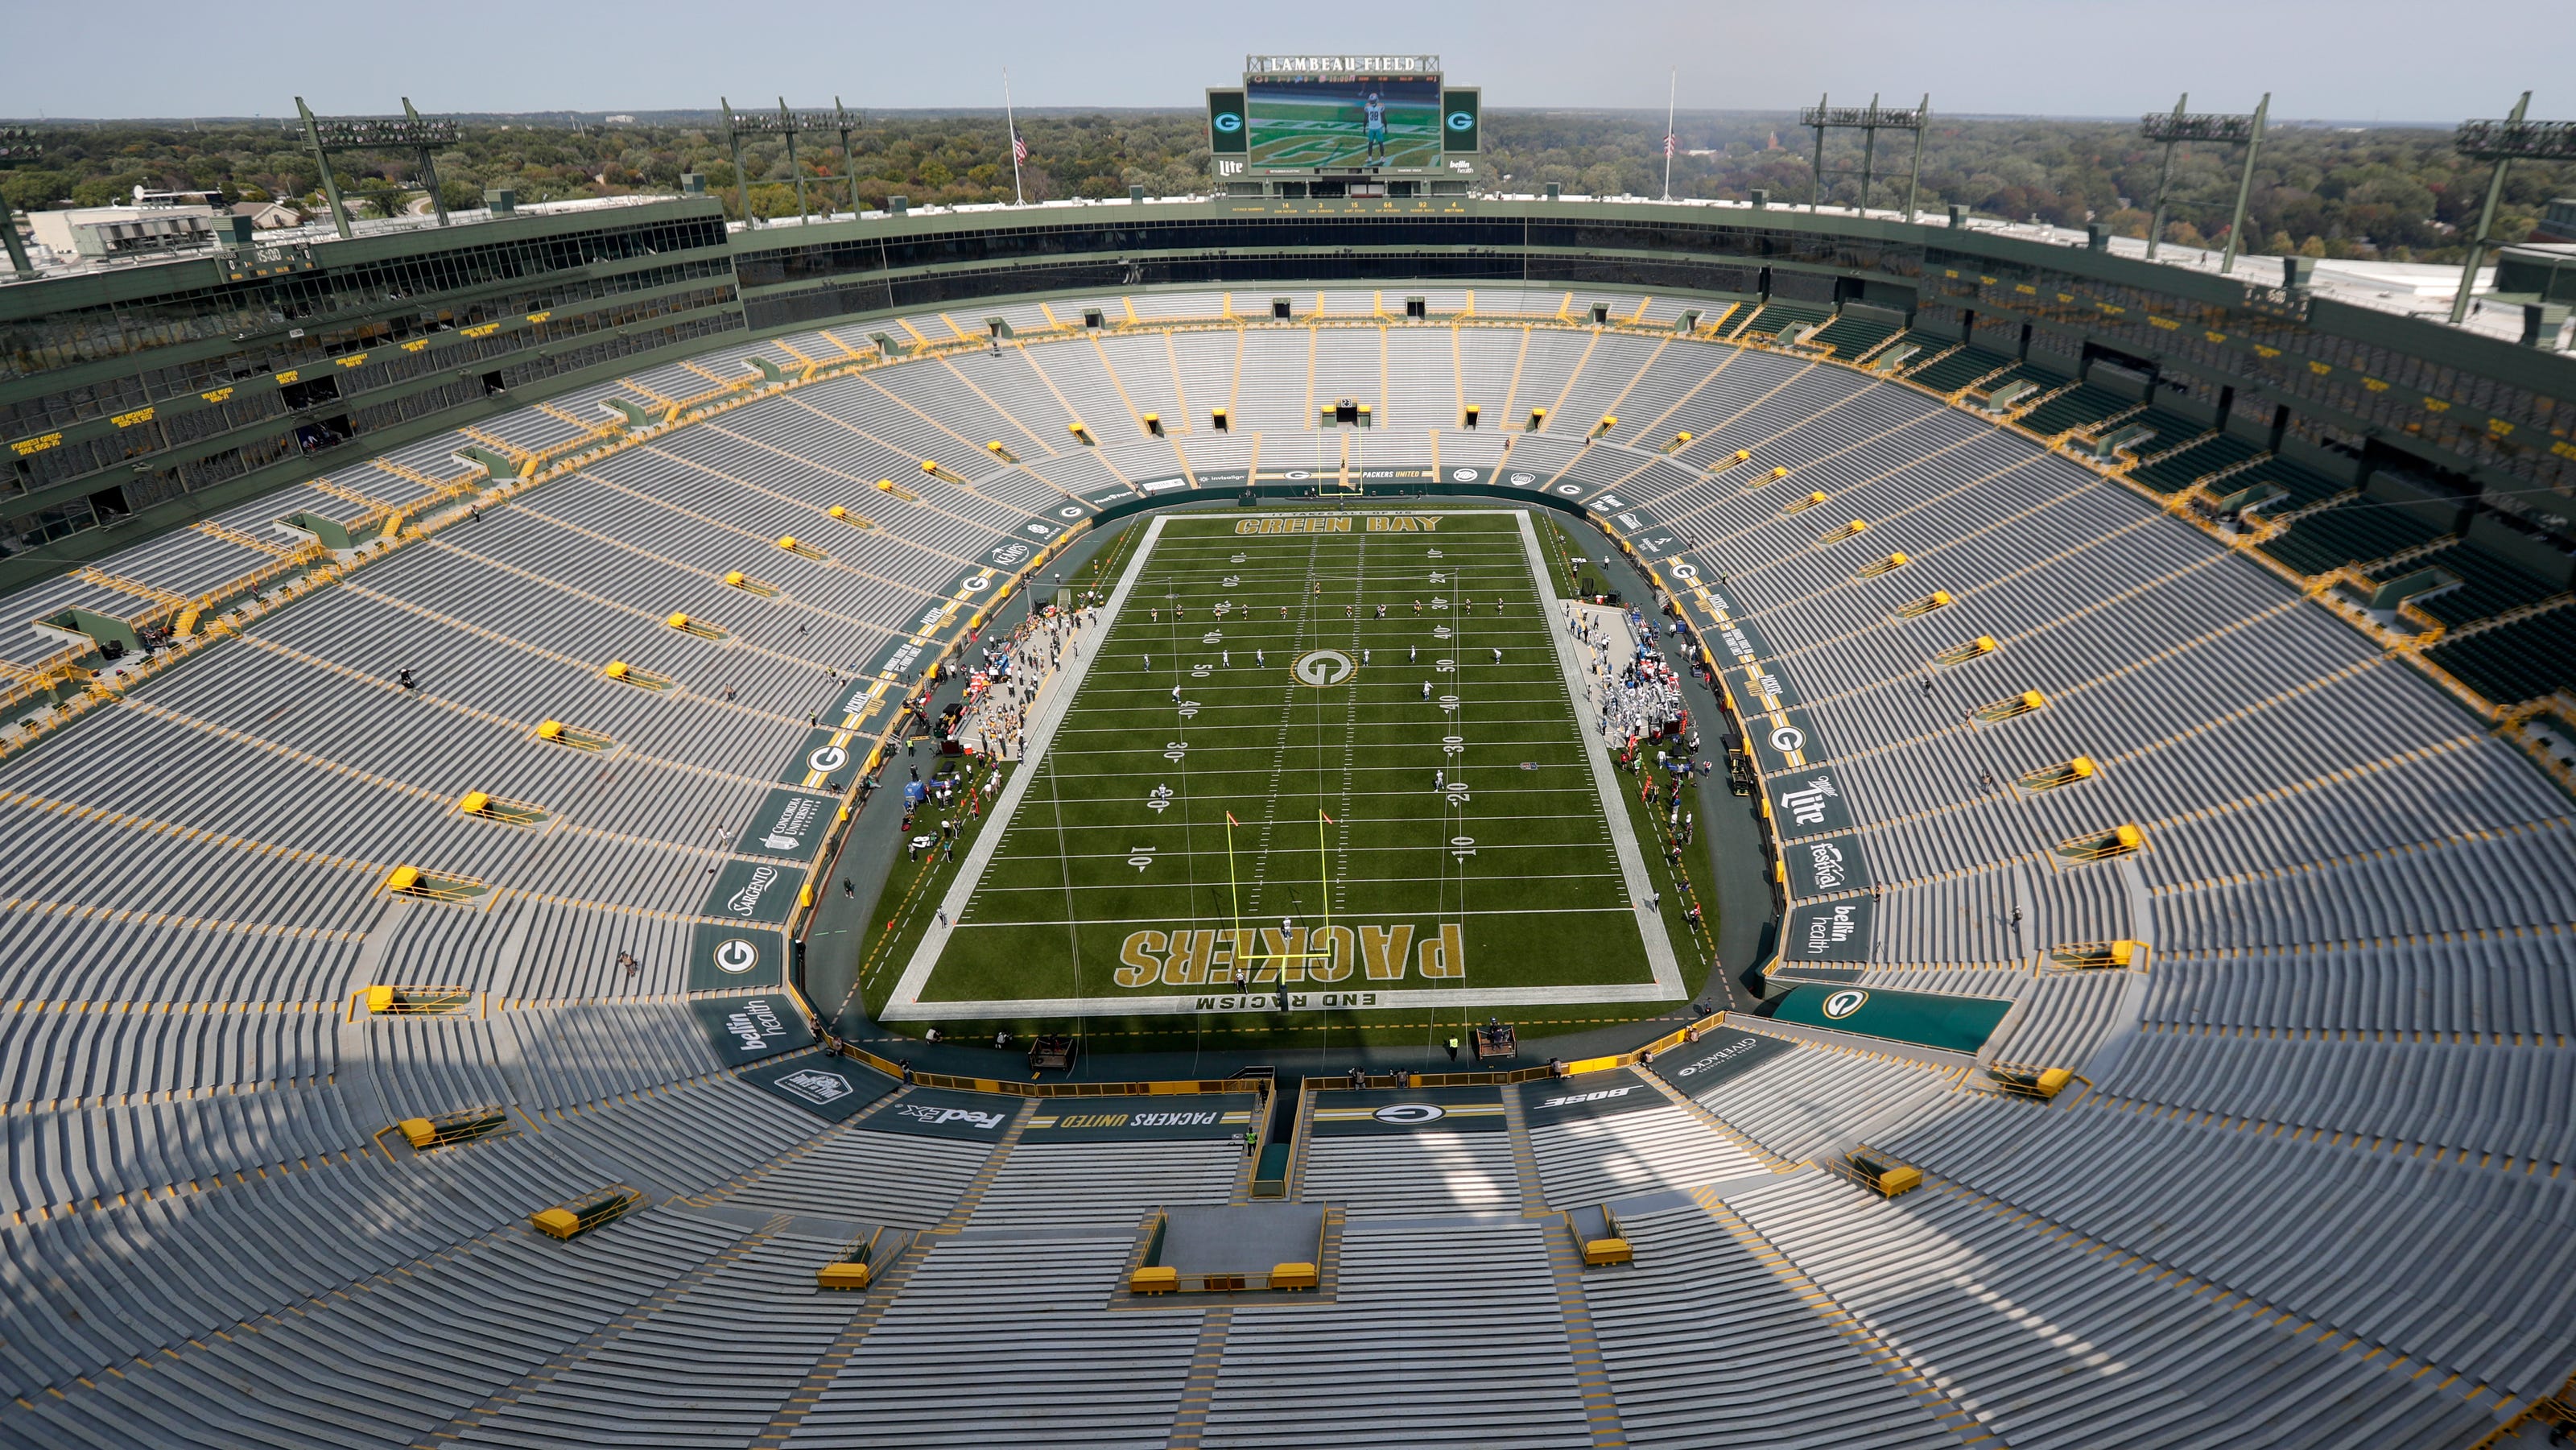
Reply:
x=139 y=399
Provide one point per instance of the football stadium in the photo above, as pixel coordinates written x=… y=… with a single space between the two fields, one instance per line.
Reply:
x=1365 y=808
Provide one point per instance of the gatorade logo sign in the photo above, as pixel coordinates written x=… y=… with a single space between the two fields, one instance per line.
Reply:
x=1844 y=1003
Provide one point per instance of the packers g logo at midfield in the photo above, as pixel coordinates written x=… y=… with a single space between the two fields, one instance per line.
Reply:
x=1323 y=667
x=1844 y=1003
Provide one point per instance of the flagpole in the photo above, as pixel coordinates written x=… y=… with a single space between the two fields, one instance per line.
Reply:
x=1010 y=124
x=1672 y=88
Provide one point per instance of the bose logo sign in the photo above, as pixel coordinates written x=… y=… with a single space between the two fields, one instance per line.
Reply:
x=1617 y=1092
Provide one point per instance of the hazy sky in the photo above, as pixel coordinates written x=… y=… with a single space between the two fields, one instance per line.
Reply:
x=2336 y=59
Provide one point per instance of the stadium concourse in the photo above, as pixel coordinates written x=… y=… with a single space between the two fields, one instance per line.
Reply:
x=399 y=1051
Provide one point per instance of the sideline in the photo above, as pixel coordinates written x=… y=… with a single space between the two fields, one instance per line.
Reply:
x=905 y=1002
x=1614 y=804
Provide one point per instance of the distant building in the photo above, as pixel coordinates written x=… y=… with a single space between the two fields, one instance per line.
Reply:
x=123 y=231
x=2558 y=224
x=268 y=215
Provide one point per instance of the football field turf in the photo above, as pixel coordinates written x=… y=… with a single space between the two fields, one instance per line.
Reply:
x=1418 y=817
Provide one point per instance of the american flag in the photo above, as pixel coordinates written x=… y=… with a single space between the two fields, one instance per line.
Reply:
x=1019 y=148
x=1669 y=145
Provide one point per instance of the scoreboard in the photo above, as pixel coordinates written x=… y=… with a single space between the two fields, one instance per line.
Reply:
x=1349 y=118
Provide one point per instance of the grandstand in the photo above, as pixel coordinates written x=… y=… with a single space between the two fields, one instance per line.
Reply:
x=434 y=1017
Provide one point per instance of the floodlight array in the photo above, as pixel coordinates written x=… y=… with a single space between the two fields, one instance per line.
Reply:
x=2517 y=140
x=2168 y=127
x=409 y=133
x=1885 y=118
x=781 y=123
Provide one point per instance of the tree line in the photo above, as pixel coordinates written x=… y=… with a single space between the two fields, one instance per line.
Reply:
x=2392 y=193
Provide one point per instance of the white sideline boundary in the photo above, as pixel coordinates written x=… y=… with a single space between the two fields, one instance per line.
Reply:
x=905 y=1003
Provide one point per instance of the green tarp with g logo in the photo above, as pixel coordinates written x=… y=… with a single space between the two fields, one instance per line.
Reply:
x=1926 y=1019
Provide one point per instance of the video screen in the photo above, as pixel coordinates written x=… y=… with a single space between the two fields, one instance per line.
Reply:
x=1375 y=123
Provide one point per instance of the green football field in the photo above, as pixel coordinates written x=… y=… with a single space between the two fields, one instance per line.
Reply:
x=1418 y=820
